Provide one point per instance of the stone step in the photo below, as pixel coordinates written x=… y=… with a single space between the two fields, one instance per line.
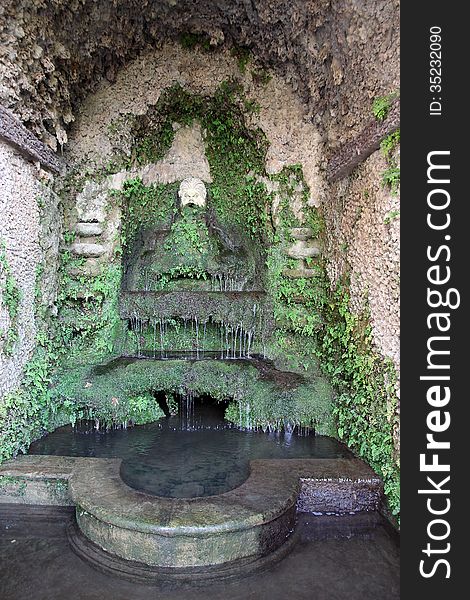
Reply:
x=88 y=229
x=87 y=250
x=304 y=249
x=301 y=233
x=300 y=272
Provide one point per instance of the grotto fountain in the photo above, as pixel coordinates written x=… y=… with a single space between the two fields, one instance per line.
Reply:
x=186 y=432
x=192 y=311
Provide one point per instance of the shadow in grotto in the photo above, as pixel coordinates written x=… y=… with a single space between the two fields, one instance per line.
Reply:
x=192 y=411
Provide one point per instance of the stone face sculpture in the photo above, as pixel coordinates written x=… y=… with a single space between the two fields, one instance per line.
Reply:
x=192 y=191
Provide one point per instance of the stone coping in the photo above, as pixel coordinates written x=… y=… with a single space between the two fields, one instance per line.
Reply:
x=17 y=135
x=261 y=498
x=96 y=482
x=39 y=467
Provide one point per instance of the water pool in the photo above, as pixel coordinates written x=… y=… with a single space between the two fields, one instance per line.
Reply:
x=195 y=453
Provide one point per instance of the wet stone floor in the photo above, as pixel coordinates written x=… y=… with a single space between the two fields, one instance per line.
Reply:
x=334 y=558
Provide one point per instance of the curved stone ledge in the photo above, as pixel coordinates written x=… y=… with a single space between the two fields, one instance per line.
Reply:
x=250 y=520
x=246 y=523
x=184 y=304
x=137 y=572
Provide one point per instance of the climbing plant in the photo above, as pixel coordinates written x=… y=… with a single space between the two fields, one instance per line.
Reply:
x=10 y=298
x=382 y=104
x=366 y=404
x=235 y=152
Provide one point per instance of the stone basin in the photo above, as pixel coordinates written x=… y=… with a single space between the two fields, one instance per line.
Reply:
x=246 y=523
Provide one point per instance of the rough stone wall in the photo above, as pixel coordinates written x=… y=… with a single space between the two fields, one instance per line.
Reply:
x=362 y=240
x=337 y=54
x=282 y=116
x=27 y=241
x=358 y=240
x=362 y=48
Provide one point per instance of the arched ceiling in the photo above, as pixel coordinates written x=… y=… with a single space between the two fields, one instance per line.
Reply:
x=333 y=52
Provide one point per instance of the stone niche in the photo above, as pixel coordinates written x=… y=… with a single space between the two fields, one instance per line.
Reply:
x=192 y=251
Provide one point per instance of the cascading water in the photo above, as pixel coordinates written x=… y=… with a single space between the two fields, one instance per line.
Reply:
x=156 y=337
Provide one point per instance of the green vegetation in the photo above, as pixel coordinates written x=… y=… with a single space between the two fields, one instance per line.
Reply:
x=366 y=405
x=125 y=387
x=85 y=332
x=381 y=105
x=243 y=56
x=10 y=298
x=145 y=207
x=192 y=40
x=190 y=235
x=391 y=179
x=388 y=144
x=391 y=176
x=12 y=486
x=313 y=321
x=297 y=302
x=30 y=411
x=391 y=216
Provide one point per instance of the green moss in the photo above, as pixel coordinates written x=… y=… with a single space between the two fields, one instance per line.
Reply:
x=391 y=175
x=30 y=411
x=143 y=207
x=382 y=104
x=235 y=152
x=189 y=239
x=12 y=486
x=10 y=298
x=291 y=182
x=297 y=302
x=125 y=388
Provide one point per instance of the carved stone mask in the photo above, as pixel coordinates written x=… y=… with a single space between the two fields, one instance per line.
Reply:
x=192 y=191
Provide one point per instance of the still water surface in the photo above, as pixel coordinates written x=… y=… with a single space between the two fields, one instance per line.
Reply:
x=195 y=453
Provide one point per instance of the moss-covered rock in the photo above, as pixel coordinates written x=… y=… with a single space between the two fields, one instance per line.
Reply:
x=121 y=390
